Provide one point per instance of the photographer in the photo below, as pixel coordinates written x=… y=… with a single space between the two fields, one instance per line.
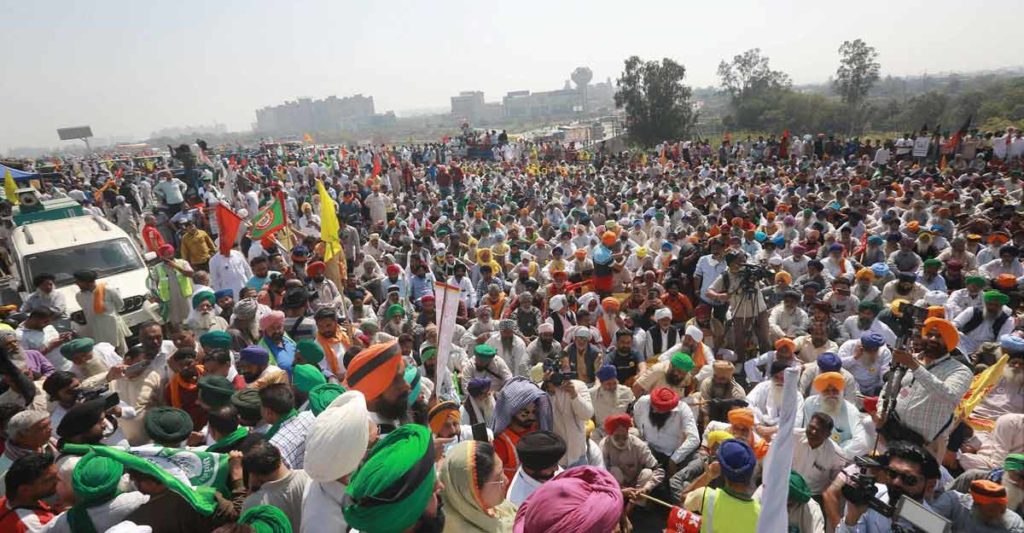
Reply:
x=739 y=287
x=911 y=471
x=931 y=388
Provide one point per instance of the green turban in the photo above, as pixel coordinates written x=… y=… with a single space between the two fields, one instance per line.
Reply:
x=204 y=296
x=305 y=377
x=798 y=490
x=167 y=425
x=428 y=353
x=682 y=361
x=868 y=305
x=266 y=519
x=400 y=467
x=932 y=263
x=216 y=339
x=94 y=481
x=215 y=391
x=392 y=310
x=310 y=351
x=1014 y=462
x=247 y=401
x=975 y=280
x=321 y=396
x=996 y=296
x=76 y=346
x=484 y=351
x=412 y=377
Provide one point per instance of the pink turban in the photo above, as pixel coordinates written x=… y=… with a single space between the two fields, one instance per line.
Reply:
x=581 y=500
x=272 y=319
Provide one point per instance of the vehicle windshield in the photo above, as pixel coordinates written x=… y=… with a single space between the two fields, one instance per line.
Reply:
x=106 y=258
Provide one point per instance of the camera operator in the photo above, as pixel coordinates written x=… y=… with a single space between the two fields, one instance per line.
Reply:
x=931 y=388
x=740 y=287
x=910 y=471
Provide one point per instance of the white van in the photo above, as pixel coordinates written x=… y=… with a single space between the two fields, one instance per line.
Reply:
x=64 y=246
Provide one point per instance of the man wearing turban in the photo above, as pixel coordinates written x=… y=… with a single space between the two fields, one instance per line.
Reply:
x=539 y=453
x=609 y=397
x=95 y=480
x=254 y=366
x=396 y=488
x=867 y=358
x=325 y=292
x=276 y=341
x=847 y=429
x=986 y=324
x=719 y=390
x=510 y=348
x=932 y=385
x=971 y=295
x=630 y=460
x=171 y=281
x=668 y=427
x=520 y=409
x=766 y=399
x=581 y=500
x=379 y=373
x=729 y=508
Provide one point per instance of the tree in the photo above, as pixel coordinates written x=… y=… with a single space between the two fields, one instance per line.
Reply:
x=657 y=103
x=748 y=74
x=581 y=77
x=857 y=73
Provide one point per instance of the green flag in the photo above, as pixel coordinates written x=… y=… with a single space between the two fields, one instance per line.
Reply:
x=269 y=219
x=195 y=476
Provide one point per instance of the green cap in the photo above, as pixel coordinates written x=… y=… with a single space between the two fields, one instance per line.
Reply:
x=682 y=361
x=215 y=391
x=215 y=339
x=798 y=490
x=305 y=377
x=77 y=346
x=484 y=351
x=1014 y=462
x=310 y=351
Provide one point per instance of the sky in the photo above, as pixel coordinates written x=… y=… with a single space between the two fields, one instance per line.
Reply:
x=130 y=68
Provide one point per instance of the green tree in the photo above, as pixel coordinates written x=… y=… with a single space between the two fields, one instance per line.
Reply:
x=657 y=103
x=754 y=89
x=857 y=73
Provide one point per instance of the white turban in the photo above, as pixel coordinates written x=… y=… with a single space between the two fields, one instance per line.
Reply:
x=695 y=333
x=338 y=439
x=935 y=297
x=557 y=302
x=545 y=328
x=662 y=312
x=581 y=333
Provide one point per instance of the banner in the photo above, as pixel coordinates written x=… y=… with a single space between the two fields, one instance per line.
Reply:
x=447 y=300
x=195 y=476
x=270 y=219
x=228 y=223
x=921 y=146
x=981 y=385
x=779 y=461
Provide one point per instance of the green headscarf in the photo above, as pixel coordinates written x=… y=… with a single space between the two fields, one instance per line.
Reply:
x=412 y=377
x=215 y=339
x=798 y=490
x=404 y=459
x=305 y=377
x=394 y=309
x=462 y=510
x=215 y=391
x=996 y=296
x=322 y=395
x=1014 y=462
x=310 y=351
x=266 y=519
x=94 y=481
x=167 y=425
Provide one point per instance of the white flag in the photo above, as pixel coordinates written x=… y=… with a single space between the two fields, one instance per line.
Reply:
x=775 y=491
x=446 y=299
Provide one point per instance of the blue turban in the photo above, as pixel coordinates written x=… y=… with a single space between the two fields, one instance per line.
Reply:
x=254 y=355
x=880 y=270
x=779 y=241
x=223 y=293
x=875 y=239
x=872 y=340
x=477 y=386
x=829 y=362
x=1012 y=344
x=737 y=460
x=606 y=372
x=760 y=236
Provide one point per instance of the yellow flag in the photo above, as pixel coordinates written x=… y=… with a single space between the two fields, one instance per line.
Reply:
x=981 y=385
x=307 y=138
x=10 y=187
x=329 y=227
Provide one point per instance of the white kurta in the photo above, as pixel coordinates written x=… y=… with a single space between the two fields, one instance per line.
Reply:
x=106 y=326
x=229 y=272
x=321 y=508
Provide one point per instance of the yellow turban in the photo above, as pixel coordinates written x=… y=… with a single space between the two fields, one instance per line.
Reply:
x=829 y=379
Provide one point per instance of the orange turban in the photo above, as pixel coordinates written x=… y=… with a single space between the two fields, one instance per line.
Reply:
x=913 y=225
x=608 y=238
x=936 y=311
x=998 y=238
x=610 y=305
x=829 y=379
x=441 y=414
x=783 y=276
x=1005 y=281
x=742 y=417
x=785 y=341
x=736 y=221
x=866 y=273
x=984 y=492
x=945 y=329
x=374 y=369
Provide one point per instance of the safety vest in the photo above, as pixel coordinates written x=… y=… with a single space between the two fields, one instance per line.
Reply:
x=163 y=287
x=723 y=513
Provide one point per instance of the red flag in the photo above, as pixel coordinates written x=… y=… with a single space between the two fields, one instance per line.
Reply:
x=227 y=223
x=682 y=521
x=376 y=165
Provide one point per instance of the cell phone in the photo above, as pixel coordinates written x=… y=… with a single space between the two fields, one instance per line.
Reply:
x=480 y=432
x=137 y=367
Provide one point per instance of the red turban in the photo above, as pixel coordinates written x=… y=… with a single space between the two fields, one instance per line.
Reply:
x=316 y=268
x=614 y=422
x=393 y=269
x=664 y=399
x=165 y=248
x=374 y=369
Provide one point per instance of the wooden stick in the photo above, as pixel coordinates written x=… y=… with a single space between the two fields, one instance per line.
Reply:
x=655 y=500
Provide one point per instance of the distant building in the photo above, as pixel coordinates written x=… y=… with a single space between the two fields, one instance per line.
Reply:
x=306 y=115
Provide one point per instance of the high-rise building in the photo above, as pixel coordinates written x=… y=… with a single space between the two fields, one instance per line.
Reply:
x=306 y=115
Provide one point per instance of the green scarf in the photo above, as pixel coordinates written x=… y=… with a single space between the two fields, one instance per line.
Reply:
x=222 y=445
x=277 y=425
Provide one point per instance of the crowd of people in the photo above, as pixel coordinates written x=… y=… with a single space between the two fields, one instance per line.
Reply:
x=624 y=327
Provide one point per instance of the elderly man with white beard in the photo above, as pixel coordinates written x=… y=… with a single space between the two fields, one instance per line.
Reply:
x=716 y=391
x=828 y=362
x=977 y=326
x=510 y=348
x=544 y=347
x=609 y=398
x=478 y=407
x=479 y=330
x=766 y=400
x=204 y=319
x=868 y=359
x=847 y=429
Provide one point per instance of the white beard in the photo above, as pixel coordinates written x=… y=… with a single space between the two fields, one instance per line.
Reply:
x=1014 y=378
x=831 y=407
x=777 y=394
x=1014 y=496
x=486 y=407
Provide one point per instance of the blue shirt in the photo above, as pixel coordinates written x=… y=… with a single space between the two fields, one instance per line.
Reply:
x=285 y=356
x=420 y=287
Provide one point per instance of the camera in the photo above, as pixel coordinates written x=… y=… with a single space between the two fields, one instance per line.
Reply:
x=750 y=275
x=861 y=489
x=912 y=312
x=84 y=394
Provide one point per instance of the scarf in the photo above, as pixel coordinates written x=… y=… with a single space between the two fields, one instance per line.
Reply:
x=178 y=383
x=327 y=343
x=98 y=296
x=224 y=443
x=277 y=425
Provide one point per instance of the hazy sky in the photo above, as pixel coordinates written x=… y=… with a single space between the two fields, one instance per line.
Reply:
x=129 y=68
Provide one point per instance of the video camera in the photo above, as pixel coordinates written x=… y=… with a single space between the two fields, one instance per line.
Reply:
x=861 y=490
x=751 y=274
x=558 y=377
x=84 y=394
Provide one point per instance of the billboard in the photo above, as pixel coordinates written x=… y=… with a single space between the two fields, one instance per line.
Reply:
x=78 y=132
